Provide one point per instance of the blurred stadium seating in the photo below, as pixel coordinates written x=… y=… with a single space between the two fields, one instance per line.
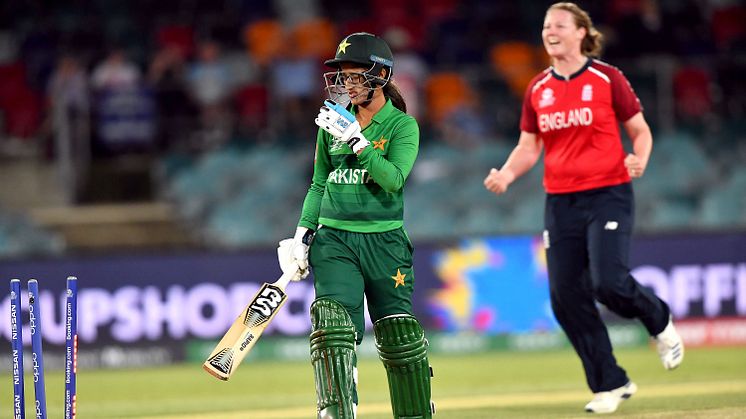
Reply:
x=21 y=237
x=243 y=185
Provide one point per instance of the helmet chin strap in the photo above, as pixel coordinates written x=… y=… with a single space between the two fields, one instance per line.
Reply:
x=375 y=69
x=369 y=96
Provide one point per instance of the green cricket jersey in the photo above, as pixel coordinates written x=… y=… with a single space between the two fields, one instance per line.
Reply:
x=363 y=193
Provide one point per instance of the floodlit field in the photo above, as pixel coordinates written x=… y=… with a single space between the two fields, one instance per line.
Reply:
x=711 y=383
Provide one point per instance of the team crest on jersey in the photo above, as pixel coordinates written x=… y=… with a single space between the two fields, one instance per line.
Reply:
x=380 y=144
x=587 y=94
x=547 y=98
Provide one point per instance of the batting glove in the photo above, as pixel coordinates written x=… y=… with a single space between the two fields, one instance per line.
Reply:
x=294 y=254
x=340 y=123
x=287 y=261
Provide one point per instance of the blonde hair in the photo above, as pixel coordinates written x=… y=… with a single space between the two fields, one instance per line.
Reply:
x=593 y=41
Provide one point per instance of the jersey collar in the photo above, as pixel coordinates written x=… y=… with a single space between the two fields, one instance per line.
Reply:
x=382 y=114
x=558 y=76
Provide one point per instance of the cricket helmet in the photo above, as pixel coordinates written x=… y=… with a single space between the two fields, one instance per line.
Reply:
x=367 y=50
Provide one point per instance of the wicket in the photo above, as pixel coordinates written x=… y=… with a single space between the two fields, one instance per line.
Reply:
x=71 y=346
x=37 y=354
x=16 y=345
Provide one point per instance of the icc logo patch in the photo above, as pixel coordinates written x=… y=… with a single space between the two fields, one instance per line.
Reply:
x=547 y=98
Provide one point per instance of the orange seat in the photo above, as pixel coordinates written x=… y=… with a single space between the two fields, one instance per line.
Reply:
x=516 y=62
x=445 y=92
x=314 y=38
x=265 y=40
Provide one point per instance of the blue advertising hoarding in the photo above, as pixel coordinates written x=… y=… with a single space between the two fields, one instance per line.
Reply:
x=490 y=286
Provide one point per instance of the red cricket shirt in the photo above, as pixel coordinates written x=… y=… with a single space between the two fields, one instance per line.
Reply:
x=577 y=120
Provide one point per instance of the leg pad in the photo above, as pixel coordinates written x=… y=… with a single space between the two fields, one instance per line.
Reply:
x=402 y=348
x=332 y=356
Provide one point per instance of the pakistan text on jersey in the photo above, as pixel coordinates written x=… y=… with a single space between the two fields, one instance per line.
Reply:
x=559 y=120
x=349 y=176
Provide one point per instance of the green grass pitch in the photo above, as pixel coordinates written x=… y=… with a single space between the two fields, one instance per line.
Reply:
x=711 y=383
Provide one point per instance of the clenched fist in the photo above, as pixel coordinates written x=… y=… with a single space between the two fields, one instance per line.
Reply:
x=635 y=166
x=497 y=181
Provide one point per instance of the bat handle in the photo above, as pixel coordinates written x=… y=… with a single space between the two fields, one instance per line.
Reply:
x=285 y=279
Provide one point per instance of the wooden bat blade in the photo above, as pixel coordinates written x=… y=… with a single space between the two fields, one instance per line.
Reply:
x=247 y=329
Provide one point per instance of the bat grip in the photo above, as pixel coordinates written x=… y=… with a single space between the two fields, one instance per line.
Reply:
x=285 y=279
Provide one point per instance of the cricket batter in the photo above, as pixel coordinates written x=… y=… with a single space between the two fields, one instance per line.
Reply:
x=351 y=233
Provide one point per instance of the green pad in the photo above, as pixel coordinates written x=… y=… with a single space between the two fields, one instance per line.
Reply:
x=332 y=357
x=402 y=347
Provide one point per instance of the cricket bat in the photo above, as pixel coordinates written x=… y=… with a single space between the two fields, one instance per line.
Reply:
x=248 y=327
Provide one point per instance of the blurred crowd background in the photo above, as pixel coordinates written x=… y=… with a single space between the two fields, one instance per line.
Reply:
x=189 y=123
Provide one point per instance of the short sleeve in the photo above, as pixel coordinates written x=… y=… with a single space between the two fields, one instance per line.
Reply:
x=528 y=113
x=625 y=102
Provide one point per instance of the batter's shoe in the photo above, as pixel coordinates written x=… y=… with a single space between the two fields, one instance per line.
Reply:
x=608 y=401
x=670 y=346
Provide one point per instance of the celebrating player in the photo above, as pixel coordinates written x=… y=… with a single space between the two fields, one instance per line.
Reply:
x=572 y=111
x=351 y=233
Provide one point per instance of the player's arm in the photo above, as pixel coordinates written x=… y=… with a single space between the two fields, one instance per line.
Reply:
x=294 y=251
x=523 y=157
x=628 y=109
x=391 y=171
x=642 y=144
x=312 y=203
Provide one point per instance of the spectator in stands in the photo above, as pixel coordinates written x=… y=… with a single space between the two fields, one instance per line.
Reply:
x=572 y=109
x=638 y=29
x=68 y=122
x=411 y=70
x=175 y=109
x=68 y=95
x=123 y=110
x=693 y=94
x=20 y=109
x=294 y=12
x=68 y=85
x=728 y=30
x=210 y=85
x=115 y=72
x=295 y=87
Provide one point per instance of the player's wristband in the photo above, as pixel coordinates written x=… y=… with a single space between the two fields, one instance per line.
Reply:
x=304 y=235
x=307 y=237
